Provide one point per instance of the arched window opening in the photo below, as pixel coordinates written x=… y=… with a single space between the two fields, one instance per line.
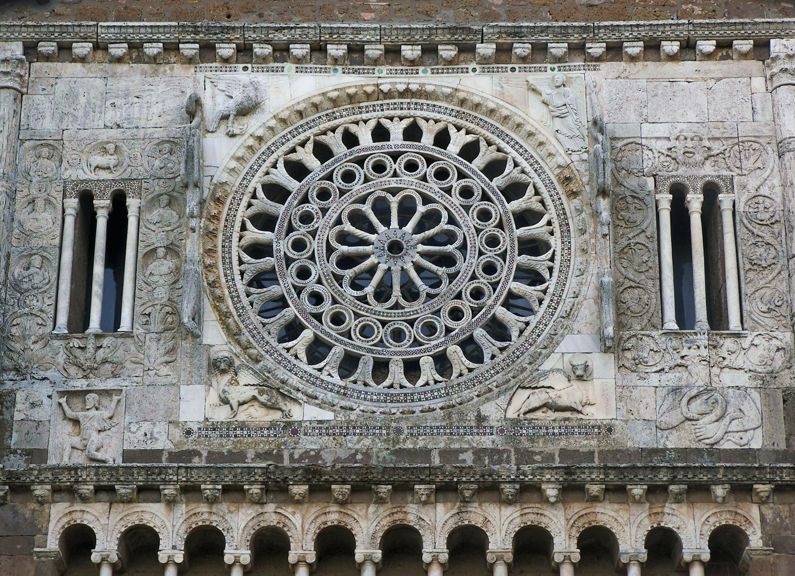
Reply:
x=76 y=544
x=270 y=547
x=532 y=552
x=204 y=552
x=682 y=259
x=714 y=257
x=467 y=547
x=598 y=552
x=727 y=545
x=664 y=550
x=138 y=549
x=83 y=249
x=402 y=552
x=114 y=264
x=335 y=547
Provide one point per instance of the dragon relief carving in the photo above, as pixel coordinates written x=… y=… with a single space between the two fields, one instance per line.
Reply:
x=236 y=392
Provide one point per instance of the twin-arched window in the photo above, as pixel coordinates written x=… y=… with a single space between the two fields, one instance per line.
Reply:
x=96 y=281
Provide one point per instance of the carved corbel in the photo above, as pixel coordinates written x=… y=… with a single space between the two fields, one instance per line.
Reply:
x=670 y=50
x=448 y=54
x=300 y=53
x=126 y=493
x=485 y=53
x=499 y=555
x=82 y=51
x=627 y=556
x=410 y=54
x=594 y=492
x=371 y=556
x=255 y=493
x=211 y=493
x=467 y=493
x=382 y=493
x=307 y=557
x=262 y=53
x=341 y=493
x=153 y=52
x=337 y=54
x=424 y=493
x=373 y=54
x=552 y=492
x=226 y=52
x=557 y=52
x=720 y=493
x=690 y=555
x=509 y=492
x=189 y=53
x=299 y=493
x=42 y=493
x=633 y=51
x=762 y=493
x=637 y=493
x=237 y=557
x=521 y=53
x=563 y=556
x=47 y=51
x=439 y=557
x=84 y=492
x=706 y=50
x=595 y=51
x=677 y=493
x=109 y=557
x=118 y=52
x=169 y=493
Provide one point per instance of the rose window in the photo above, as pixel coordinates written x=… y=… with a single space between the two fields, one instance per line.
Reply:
x=394 y=257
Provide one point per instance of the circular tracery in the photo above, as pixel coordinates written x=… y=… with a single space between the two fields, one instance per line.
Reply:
x=399 y=251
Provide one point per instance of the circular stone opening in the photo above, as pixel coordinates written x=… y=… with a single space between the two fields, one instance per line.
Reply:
x=489 y=268
x=322 y=194
x=456 y=314
x=348 y=176
x=338 y=319
x=303 y=273
x=397 y=335
x=466 y=192
x=379 y=167
x=395 y=247
x=411 y=166
x=298 y=244
x=441 y=174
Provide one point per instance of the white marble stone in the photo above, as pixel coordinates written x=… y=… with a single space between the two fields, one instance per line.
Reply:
x=677 y=101
x=191 y=402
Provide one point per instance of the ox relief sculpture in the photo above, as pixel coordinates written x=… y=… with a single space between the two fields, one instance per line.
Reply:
x=569 y=392
x=236 y=392
x=87 y=428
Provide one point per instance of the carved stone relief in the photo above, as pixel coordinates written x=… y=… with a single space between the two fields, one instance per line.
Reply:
x=566 y=114
x=86 y=427
x=232 y=99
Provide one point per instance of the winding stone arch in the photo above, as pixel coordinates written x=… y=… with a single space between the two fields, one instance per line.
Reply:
x=332 y=517
x=205 y=518
x=140 y=518
x=276 y=519
x=72 y=517
x=533 y=516
x=467 y=518
x=597 y=517
x=663 y=518
x=400 y=517
x=729 y=517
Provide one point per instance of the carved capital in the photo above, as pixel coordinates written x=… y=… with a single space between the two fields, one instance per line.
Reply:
x=694 y=202
x=13 y=72
x=362 y=556
x=627 y=556
x=509 y=492
x=439 y=556
x=561 y=556
x=102 y=207
x=551 y=492
x=302 y=556
x=720 y=493
x=780 y=67
x=695 y=555
x=242 y=557
x=70 y=206
x=382 y=493
x=299 y=493
x=664 y=201
x=499 y=555
x=105 y=557
x=133 y=206
x=171 y=556
x=211 y=493
x=52 y=555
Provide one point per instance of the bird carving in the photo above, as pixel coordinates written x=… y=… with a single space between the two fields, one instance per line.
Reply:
x=241 y=97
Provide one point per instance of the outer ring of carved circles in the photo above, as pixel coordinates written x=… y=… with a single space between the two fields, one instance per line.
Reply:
x=268 y=143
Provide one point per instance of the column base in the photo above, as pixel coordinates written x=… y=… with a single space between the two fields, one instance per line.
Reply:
x=671 y=326
x=94 y=330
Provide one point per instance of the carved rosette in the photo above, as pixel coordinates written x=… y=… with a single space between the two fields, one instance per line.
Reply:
x=392 y=252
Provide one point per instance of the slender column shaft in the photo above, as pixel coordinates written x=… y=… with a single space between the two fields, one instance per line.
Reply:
x=500 y=568
x=236 y=569
x=301 y=569
x=171 y=569
x=67 y=257
x=694 y=202
x=368 y=568
x=435 y=568
x=633 y=568
x=695 y=568
x=105 y=568
x=567 y=568
x=666 y=262
x=730 y=261
x=102 y=208
x=130 y=258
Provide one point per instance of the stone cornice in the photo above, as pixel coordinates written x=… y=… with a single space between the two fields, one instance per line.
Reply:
x=231 y=475
x=103 y=33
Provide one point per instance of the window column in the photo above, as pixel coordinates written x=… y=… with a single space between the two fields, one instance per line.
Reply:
x=695 y=560
x=102 y=208
x=435 y=561
x=130 y=259
x=171 y=559
x=106 y=559
x=67 y=255
x=500 y=560
x=694 y=202
x=237 y=560
x=730 y=261
x=368 y=561
x=301 y=560
x=666 y=262
x=566 y=560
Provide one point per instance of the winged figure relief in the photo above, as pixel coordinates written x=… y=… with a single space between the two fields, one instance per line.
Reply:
x=553 y=392
x=241 y=97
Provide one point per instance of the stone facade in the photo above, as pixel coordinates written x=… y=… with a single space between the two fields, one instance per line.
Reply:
x=397 y=298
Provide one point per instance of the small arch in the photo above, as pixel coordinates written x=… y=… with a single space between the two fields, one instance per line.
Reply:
x=591 y=517
x=401 y=546
x=332 y=517
x=76 y=543
x=467 y=546
x=400 y=517
x=682 y=252
x=665 y=517
x=205 y=518
x=138 y=548
x=664 y=551
x=727 y=544
x=598 y=548
x=335 y=546
x=204 y=551
x=270 y=547
x=83 y=250
x=534 y=516
x=532 y=551
x=469 y=518
x=273 y=519
x=80 y=516
x=140 y=518
x=115 y=252
x=729 y=517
